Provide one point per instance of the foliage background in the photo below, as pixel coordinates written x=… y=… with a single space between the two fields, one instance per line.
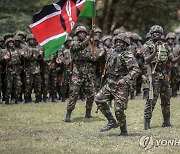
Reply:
x=134 y=15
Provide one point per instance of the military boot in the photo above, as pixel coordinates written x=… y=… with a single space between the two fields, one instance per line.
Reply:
x=166 y=123
x=111 y=123
x=54 y=98
x=132 y=96
x=146 y=124
x=68 y=116
x=123 y=130
x=88 y=114
x=7 y=101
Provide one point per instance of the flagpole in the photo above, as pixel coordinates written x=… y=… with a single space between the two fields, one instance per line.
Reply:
x=93 y=44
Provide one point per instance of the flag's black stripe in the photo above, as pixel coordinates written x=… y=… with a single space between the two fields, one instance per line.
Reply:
x=77 y=11
x=63 y=22
x=46 y=10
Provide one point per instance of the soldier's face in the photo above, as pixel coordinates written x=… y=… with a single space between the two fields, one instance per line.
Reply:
x=156 y=36
x=107 y=42
x=68 y=43
x=119 y=44
x=170 y=41
x=10 y=44
x=82 y=35
x=17 y=43
x=96 y=42
x=32 y=42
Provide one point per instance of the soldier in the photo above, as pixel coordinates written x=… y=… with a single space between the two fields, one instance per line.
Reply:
x=33 y=59
x=82 y=68
x=64 y=56
x=156 y=55
x=98 y=33
x=22 y=36
x=13 y=70
x=122 y=71
x=170 y=38
x=49 y=76
x=19 y=46
x=145 y=75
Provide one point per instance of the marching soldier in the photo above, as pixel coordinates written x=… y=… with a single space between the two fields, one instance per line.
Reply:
x=82 y=68
x=156 y=55
x=122 y=71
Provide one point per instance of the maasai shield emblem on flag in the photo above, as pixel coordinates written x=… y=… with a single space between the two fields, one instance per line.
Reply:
x=54 y=22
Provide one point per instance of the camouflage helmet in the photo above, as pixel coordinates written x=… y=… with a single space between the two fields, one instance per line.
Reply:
x=171 y=36
x=117 y=31
x=106 y=37
x=156 y=28
x=135 y=36
x=80 y=29
x=140 y=38
x=1 y=39
x=122 y=37
x=129 y=34
x=69 y=38
x=30 y=36
x=8 y=40
x=21 y=33
x=97 y=30
x=17 y=38
x=148 y=36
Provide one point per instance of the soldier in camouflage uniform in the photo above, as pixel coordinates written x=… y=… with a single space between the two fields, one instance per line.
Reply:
x=64 y=56
x=98 y=33
x=122 y=71
x=13 y=70
x=170 y=38
x=49 y=78
x=33 y=58
x=145 y=82
x=21 y=47
x=156 y=55
x=82 y=68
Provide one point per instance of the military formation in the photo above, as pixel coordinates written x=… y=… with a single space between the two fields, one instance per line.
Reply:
x=105 y=69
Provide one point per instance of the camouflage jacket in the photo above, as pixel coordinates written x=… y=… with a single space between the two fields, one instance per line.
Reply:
x=122 y=65
x=83 y=63
x=33 y=59
x=165 y=54
x=13 y=64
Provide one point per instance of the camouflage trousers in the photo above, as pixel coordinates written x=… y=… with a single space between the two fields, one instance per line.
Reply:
x=78 y=82
x=161 y=86
x=120 y=95
x=13 y=85
x=33 y=81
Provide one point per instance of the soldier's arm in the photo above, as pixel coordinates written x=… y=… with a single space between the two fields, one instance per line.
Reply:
x=148 y=55
x=132 y=67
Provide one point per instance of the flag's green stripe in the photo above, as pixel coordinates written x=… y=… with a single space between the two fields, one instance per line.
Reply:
x=89 y=9
x=53 y=46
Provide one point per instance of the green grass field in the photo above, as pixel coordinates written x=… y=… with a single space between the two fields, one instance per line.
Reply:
x=39 y=128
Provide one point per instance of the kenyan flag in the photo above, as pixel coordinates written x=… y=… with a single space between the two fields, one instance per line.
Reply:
x=89 y=9
x=54 y=22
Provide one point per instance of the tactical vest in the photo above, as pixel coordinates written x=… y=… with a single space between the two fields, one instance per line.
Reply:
x=164 y=53
x=14 y=58
x=115 y=64
x=33 y=65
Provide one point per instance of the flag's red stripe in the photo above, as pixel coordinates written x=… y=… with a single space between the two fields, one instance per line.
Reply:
x=47 y=29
